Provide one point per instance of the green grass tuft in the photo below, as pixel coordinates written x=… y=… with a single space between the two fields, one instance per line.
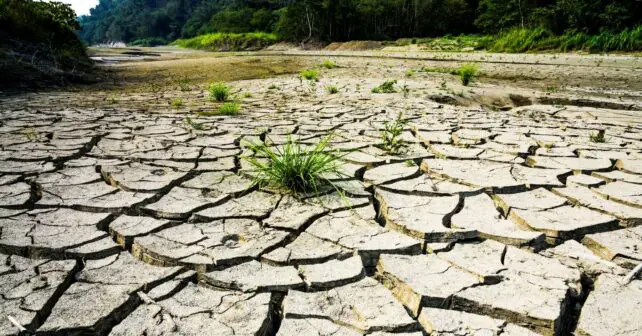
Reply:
x=599 y=137
x=229 y=109
x=310 y=74
x=331 y=89
x=328 y=64
x=386 y=87
x=177 y=103
x=295 y=167
x=468 y=72
x=219 y=91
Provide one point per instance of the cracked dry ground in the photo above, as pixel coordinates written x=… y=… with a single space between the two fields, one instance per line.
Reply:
x=122 y=220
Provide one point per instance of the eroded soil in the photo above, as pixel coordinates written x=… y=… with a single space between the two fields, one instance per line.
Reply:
x=500 y=215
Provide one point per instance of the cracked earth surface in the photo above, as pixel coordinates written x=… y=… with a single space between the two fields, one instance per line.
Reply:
x=122 y=219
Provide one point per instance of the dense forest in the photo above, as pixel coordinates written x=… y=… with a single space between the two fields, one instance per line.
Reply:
x=340 y=20
x=39 y=45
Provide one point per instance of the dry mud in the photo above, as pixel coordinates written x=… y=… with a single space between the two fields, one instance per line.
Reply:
x=499 y=216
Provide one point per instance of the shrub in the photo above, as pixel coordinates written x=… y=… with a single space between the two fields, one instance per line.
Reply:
x=295 y=167
x=310 y=74
x=219 y=91
x=331 y=89
x=468 y=72
x=386 y=87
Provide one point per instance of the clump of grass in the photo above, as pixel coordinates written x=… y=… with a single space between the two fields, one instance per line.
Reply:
x=468 y=72
x=551 y=89
x=229 y=109
x=390 y=136
x=183 y=84
x=410 y=73
x=177 y=103
x=405 y=90
x=295 y=167
x=331 y=89
x=386 y=87
x=328 y=64
x=599 y=137
x=273 y=87
x=219 y=91
x=310 y=74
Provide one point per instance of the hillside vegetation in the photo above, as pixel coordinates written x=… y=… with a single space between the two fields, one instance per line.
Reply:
x=38 y=44
x=537 y=24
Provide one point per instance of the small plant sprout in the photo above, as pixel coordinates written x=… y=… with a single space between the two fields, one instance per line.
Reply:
x=390 y=136
x=331 y=89
x=177 y=103
x=229 y=109
x=247 y=95
x=329 y=64
x=310 y=74
x=295 y=167
x=405 y=90
x=468 y=72
x=273 y=87
x=410 y=73
x=599 y=137
x=551 y=89
x=219 y=91
x=410 y=163
x=386 y=87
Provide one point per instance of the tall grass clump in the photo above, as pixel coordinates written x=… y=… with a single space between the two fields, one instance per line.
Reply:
x=295 y=167
x=468 y=72
x=219 y=91
x=228 y=41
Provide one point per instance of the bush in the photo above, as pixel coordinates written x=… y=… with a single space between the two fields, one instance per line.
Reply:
x=468 y=72
x=310 y=74
x=228 y=41
x=386 y=87
x=219 y=91
x=295 y=167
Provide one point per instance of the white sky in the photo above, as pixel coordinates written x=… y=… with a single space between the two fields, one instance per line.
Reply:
x=81 y=6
